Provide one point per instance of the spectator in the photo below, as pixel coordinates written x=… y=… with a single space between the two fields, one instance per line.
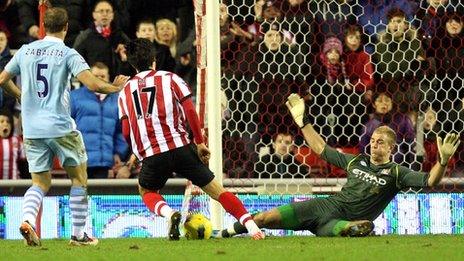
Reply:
x=358 y=66
x=281 y=162
x=280 y=72
x=155 y=10
x=10 y=24
x=235 y=42
x=372 y=15
x=12 y=156
x=6 y=101
x=29 y=17
x=123 y=11
x=333 y=69
x=398 y=52
x=102 y=42
x=164 y=60
x=337 y=109
x=386 y=114
x=96 y=116
x=266 y=11
x=166 y=34
x=447 y=49
x=429 y=18
x=400 y=61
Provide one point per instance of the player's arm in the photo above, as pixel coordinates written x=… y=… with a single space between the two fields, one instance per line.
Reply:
x=126 y=129
x=97 y=85
x=192 y=118
x=297 y=108
x=7 y=84
x=317 y=144
x=446 y=149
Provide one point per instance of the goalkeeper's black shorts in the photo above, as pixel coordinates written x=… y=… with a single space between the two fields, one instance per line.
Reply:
x=184 y=161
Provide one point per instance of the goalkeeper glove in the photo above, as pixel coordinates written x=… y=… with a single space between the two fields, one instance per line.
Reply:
x=448 y=147
x=296 y=106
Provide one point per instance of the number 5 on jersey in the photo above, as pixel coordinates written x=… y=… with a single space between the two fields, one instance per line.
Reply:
x=43 y=79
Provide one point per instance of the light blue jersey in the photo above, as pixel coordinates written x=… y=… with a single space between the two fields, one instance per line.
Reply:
x=45 y=67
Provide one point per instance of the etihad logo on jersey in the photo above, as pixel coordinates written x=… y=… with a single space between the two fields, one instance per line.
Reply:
x=362 y=175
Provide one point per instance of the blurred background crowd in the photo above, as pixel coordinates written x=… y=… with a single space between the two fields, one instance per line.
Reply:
x=358 y=63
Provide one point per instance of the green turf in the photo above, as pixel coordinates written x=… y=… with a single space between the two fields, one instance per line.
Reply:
x=439 y=247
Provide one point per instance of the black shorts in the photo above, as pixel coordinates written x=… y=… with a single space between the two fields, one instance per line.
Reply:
x=184 y=161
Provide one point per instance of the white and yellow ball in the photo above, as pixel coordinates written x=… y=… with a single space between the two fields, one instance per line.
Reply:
x=197 y=226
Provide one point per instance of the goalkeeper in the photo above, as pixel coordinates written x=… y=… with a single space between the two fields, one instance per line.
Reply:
x=373 y=181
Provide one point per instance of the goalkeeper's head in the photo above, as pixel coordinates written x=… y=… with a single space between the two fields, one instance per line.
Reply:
x=382 y=143
x=141 y=54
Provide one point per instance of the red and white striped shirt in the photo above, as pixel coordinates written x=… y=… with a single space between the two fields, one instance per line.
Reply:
x=11 y=150
x=151 y=101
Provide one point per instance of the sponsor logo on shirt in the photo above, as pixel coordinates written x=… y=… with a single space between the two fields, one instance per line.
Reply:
x=370 y=178
x=385 y=171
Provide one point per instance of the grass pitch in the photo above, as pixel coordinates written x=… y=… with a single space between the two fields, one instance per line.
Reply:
x=433 y=247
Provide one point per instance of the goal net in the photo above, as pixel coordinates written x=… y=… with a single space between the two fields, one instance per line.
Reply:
x=358 y=64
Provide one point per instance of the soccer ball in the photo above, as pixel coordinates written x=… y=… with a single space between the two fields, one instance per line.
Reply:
x=197 y=226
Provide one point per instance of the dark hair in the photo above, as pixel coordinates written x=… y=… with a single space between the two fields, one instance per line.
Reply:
x=352 y=29
x=140 y=54
x=379 y=93
x=144 y=21
x=454 y=16
x=395 y=12
x=55 y=19
x=102 y=1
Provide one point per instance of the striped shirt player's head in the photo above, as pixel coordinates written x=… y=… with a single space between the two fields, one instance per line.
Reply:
x=56 y=20
x=141 y=54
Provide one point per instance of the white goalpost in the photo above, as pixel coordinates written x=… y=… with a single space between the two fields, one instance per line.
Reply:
x=209 y=85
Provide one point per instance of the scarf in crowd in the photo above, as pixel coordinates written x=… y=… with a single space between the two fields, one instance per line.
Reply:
x=104 y=31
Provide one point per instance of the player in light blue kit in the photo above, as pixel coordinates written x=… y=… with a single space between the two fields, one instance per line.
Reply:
x=45 y=67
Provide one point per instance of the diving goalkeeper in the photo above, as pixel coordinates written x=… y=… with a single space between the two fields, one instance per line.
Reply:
x=373 y=181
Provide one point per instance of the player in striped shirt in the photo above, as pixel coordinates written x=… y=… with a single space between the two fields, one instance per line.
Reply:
x=155 y=107
x=46 y=66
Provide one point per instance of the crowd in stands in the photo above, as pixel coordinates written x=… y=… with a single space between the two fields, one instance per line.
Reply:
x=358 y=63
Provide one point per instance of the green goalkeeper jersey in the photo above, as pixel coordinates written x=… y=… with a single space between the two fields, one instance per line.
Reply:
x=369 y=188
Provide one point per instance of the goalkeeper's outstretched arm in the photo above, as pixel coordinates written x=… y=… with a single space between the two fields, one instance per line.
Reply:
x=297 y=108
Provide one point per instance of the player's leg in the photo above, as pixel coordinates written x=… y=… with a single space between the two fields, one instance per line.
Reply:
x=194 y=170
x=282 y=217
x=294 y=216
x=233 y=206
x=70 y=151
x=153 y=175
x=344 y=228
x=40 y=161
